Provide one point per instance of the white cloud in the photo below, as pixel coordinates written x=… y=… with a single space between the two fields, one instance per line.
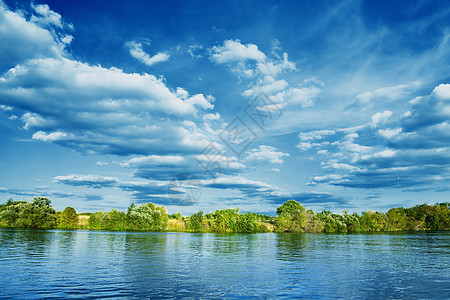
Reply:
x=273 y=69
x=22 y=40
x=137 y=52
x=195 y=51
x=266 y=154
x=156 y=160
x=270 y=88
x=389 y=133
x=386 y=94
x=200 y=101
x=211 y=117
x=315 y=134
x=414 y=154
x=5 y=108
x=264 y=74
x=442 y=91
x=51 y=137
x=105 y=110
x=46 y=17
x=380 y=118
x=235 y=51
x=390 y=93
x=80 y=178
x=67 y=39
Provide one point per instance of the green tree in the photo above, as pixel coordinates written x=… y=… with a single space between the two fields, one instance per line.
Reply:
x=313 y=222
x=36 y=214
x=224 y=220
x=397 y=219
x=374 y=221
x=176 y=216
x=147 y=217
x=117 y=220
x=291 y=217
x=98 y=220
x=247 y=223
x=68 y=218
x=195 y=222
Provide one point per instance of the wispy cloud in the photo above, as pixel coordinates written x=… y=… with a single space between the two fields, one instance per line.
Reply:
x=138 y=53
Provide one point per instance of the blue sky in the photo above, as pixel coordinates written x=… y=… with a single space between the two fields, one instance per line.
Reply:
x=198 y=105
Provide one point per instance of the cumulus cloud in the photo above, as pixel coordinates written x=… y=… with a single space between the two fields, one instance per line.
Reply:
x=265 y=154
x=46 y=17
x=5 y=108
x=22 y=40
x=138 y=53
x=103 y=110
x=381 y=118
x=235 y=51
x=97 y=110
x=51 y=137
x=413 y=153
x=265 y=75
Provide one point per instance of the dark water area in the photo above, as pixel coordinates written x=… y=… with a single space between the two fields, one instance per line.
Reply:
x=36 y=264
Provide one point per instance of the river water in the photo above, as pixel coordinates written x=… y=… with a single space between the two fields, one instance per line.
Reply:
x=101 y=264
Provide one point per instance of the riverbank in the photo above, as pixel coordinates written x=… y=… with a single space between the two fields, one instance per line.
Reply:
x=290 y=217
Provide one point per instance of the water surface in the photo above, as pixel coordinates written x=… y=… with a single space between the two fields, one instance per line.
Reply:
x=92 y=264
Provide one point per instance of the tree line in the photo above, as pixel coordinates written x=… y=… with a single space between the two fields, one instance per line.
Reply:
x=290 y=217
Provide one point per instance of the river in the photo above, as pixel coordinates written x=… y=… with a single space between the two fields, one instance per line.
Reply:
x=37 y=264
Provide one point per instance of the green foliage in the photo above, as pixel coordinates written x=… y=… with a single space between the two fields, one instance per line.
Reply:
x=99 y=220
x=314 y=223
x=68 y=218
x=247 y=223
x=195 y=222
x=352 y=222
x=36 y=214
x=117 y=220
x=147 y=217
x=374 y=221
x=224 y=220
x=397 y=219
x=176 y=216
x=332 y=222
x=291 y=217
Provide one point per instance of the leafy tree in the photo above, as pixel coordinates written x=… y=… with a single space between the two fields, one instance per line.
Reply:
x=374 y=221
x=397 y=219
x=36 y=214
x=224 y=220
x=68 y=218
x=313 y=222
x=148 y=217
x=176 y=216
x=247 y=223
x=98 y=220
x=291 y=217
x=195 y=222
x=117 y=220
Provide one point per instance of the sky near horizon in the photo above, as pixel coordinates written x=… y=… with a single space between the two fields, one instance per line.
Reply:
x=203 y=105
